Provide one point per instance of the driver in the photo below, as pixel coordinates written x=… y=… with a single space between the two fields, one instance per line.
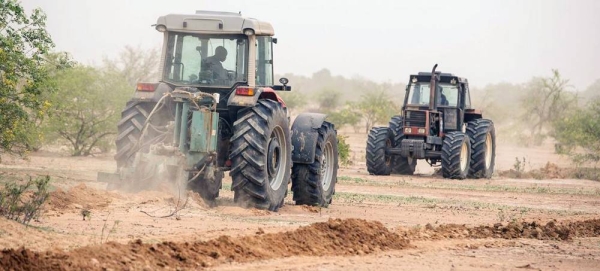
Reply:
x=213 y=63
x=443 y=101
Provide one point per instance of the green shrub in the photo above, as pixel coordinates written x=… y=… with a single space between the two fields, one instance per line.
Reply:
x=343 y=150
x=17 y=203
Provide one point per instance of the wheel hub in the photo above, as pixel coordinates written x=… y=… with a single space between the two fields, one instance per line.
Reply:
x=274 y=157
x=488 y=150
x=327 y=166
x=277 y=158
x=463 y=156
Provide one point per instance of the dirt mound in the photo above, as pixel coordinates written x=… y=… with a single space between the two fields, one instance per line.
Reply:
x=78 y=197
x=335 y=237
x=534 y=230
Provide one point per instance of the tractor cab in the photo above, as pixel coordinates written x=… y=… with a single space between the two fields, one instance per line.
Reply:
x=451 y=99
x=215 y=52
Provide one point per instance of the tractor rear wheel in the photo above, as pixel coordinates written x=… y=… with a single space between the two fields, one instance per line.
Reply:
x=261 y=156
x=483 y=148
x=378 y=162
x=400 y=165
x=456 y=155
x=314 y=184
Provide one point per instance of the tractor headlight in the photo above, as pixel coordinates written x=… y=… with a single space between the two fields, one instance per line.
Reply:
x=421 y=130
x=407 y=130
x=249 y=32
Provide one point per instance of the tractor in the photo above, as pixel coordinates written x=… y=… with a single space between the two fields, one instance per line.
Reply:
x=438 y=124
x=216 y=109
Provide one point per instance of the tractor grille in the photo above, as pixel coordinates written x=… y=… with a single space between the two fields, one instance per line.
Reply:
x=415 y=119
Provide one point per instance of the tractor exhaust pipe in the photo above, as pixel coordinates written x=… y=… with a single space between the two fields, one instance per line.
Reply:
x=432 y=88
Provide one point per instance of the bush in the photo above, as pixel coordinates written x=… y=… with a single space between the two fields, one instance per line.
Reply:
x=18 y=204
x=578 y=134
x=343 y=150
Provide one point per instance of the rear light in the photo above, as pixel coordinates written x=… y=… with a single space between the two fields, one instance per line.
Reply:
x=245 y=91
x=147 y=87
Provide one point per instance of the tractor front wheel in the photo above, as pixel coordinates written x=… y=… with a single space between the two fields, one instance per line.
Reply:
x=400 y=165
x=314 y=184
x=261 y=156
x=456 y=155
x=378 y=162
x=483 y=148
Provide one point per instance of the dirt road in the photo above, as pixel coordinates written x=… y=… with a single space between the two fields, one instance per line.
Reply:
x=403 y=223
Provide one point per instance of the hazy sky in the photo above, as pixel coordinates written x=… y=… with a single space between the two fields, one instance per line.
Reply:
x=485 y=41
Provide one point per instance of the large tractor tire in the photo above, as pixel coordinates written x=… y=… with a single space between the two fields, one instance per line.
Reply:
x=456 y=155
x=400 y=165
x=130 y=128
x=261 y=156
x=378 y=162
x=483 y=148
x=314 y=184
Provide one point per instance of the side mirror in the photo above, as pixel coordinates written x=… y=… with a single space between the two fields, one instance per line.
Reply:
x=275 y=40
x=284 y=81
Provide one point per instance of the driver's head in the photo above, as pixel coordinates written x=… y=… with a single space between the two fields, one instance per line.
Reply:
x=221 y=53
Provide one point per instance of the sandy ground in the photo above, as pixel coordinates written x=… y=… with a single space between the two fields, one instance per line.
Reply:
x=398 y=203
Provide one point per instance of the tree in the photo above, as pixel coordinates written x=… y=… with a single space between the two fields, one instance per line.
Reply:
x=136 y=65
x=293 y=100
x=343 y=117
x=545 y=101
x=578 y=133
x=23 y=72
x=329 y=99
x=377 y=107
x=85 y=107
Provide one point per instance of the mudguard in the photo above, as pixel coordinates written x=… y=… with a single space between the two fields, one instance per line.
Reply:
x=153 y=96
x=304 y=137
x=250 y=101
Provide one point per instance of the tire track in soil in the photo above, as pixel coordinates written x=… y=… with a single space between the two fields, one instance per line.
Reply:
x=343 y=237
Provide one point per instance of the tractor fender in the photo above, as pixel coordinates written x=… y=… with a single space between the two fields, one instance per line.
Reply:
x=250 y=101
x=304 y=137
x=152 y=96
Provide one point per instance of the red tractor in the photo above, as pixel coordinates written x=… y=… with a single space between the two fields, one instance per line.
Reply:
x=439 y=124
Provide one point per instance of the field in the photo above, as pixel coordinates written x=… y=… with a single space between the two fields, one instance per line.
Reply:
x=374 y=222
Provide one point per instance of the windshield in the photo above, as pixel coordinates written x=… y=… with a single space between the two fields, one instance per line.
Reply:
x=419 y=94
x=194 y=59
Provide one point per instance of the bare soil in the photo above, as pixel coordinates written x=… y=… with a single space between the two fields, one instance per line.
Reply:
x=374 y=222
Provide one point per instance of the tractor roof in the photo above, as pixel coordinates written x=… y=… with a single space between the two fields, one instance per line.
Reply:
x=444 y=77
x=214 y=22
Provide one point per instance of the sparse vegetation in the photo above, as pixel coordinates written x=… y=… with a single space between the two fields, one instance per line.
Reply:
x=578 y=133
x=343 y=150
x=19 y=203
x=85 y=107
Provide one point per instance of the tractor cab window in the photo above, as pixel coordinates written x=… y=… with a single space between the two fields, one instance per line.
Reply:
x=215 y=60
x=467 y=97
x=264 y=61
x=419 y=94
x=448 y=95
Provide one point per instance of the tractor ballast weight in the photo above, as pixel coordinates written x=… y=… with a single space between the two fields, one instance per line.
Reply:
x=212 y=113
x=437 y=124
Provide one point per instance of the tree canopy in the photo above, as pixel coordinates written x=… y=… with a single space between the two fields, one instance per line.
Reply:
x=24 y=42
